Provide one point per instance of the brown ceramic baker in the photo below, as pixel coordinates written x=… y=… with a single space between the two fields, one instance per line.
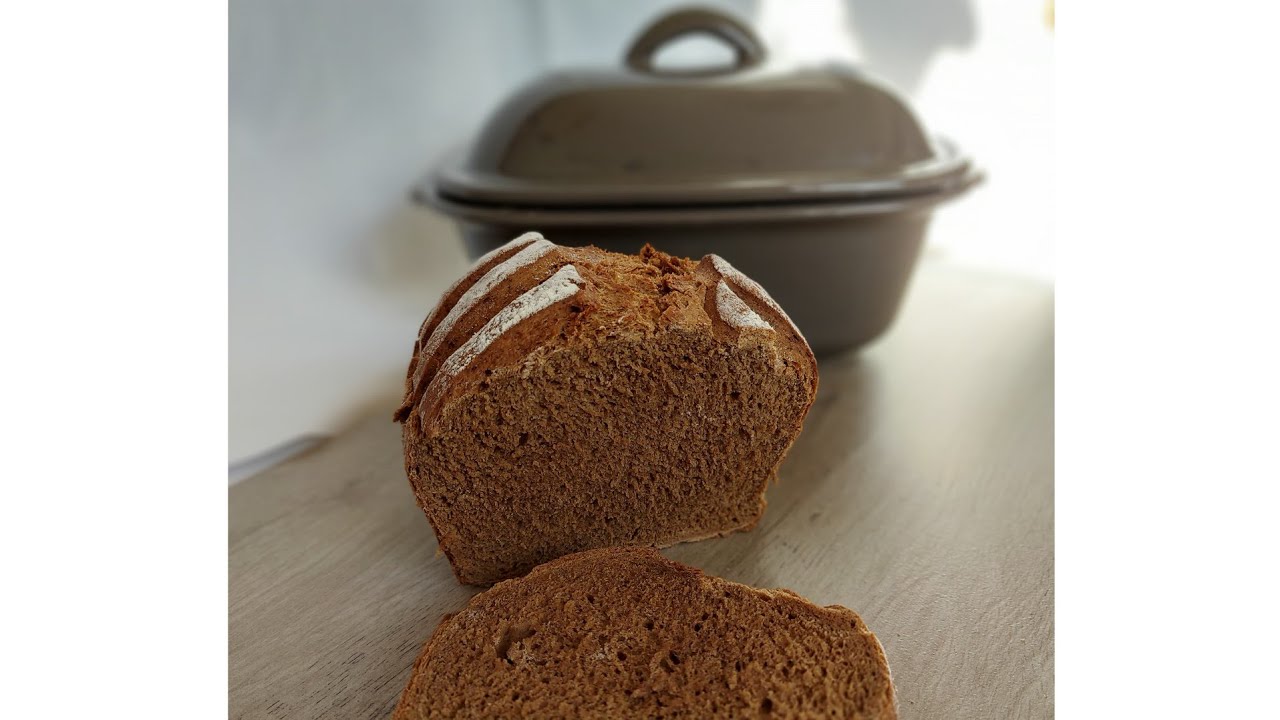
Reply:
x=819 y=182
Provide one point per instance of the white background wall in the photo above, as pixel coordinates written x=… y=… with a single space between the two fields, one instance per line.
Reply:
x=337 y=107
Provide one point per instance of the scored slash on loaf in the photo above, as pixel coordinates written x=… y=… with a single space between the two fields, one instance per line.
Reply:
x=533 y=246
x=561 y=399
x=735 y=312
x=563 y=284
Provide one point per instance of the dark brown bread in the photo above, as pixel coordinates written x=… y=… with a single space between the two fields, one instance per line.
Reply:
x=624 y=632
x=561 y=399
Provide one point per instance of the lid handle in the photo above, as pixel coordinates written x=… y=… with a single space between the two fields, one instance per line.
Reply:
x=747 y=48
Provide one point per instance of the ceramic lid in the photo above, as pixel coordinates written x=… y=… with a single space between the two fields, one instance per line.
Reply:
x=643 y=135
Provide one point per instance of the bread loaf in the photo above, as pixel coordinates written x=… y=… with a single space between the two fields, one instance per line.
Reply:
x=561 y=399
x=624 y=632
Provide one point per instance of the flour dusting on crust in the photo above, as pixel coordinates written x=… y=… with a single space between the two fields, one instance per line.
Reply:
x=521 y=241
x=524 y=239
x=726 y=270
x=536 y=248
x=735 y=312
x=560 y=286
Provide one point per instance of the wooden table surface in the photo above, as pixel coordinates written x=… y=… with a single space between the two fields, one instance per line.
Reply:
x=920 y=494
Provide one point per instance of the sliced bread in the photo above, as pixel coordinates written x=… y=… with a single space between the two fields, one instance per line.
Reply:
x=624 y=632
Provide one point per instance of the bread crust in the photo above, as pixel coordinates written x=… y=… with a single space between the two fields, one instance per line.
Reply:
x=630 y=310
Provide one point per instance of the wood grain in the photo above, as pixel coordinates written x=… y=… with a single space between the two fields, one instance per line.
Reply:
x=920 y=494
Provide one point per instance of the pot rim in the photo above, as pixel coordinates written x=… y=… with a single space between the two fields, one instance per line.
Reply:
x=454 y=180
x=692 y=214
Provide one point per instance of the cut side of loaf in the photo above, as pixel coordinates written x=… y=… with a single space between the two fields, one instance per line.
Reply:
x=624 y=632
x=562 y=399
